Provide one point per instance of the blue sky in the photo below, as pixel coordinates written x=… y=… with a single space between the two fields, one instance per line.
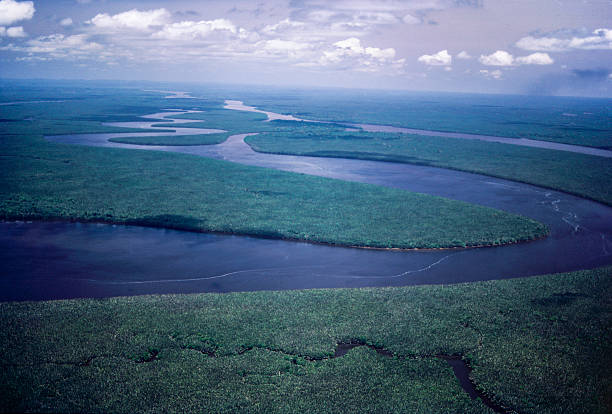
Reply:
x=559 y=47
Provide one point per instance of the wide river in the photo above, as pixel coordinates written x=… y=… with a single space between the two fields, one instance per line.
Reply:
x=65 y=260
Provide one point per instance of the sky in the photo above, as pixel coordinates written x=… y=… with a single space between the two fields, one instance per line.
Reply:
x=542 y=47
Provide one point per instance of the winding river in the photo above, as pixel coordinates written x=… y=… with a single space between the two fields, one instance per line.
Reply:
x=65 y=260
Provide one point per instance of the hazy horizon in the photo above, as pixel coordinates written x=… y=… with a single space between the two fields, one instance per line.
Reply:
x=548 y=47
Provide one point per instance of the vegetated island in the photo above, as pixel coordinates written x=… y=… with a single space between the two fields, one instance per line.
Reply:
x=587 y=176
x=569 y=120
x=534 y=345
x=179 y=140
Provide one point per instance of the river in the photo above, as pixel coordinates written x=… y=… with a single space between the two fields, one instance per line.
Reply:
x=67 y=260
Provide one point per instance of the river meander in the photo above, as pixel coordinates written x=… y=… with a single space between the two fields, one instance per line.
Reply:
x=65 y=260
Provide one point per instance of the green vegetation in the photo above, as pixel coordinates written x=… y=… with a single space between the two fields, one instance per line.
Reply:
x=584 y=175
x=50 y=181
x=237 y=122
x=571 y=120
x=178 y=140
x=536 y=345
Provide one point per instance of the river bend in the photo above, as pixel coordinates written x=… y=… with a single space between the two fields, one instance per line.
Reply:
x=52 y=260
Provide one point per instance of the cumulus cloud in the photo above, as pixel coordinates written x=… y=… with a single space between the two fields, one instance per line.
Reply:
x=442 y=58
x=535 y=59
x=131 y=19
x=190 y=30
x=128 y=37
x=600 y=39
x=12 y=11
x=503 y=58
x=350 y=52
x=284 y=26
x=499 y=58
x=463 y=55
x=352 y=47
x=16 y=31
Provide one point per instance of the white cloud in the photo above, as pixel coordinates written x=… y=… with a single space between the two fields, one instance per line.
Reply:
x=350 y=53
x=59 y=46
x=535 y=59
x=286 y=45
x=499 y=58
x=190 y=30
x=283 y=46
x=442 y=58
x=131 y=19
x=381 y=54
x=600 y=39
x=16 y=31
x=463 y=55
x=12 y=11
x=495 y=74
x=503 y=58
x=140 y=36
x=549 y=44
x=283 y=26
x=350 y=46
x=277 y=48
